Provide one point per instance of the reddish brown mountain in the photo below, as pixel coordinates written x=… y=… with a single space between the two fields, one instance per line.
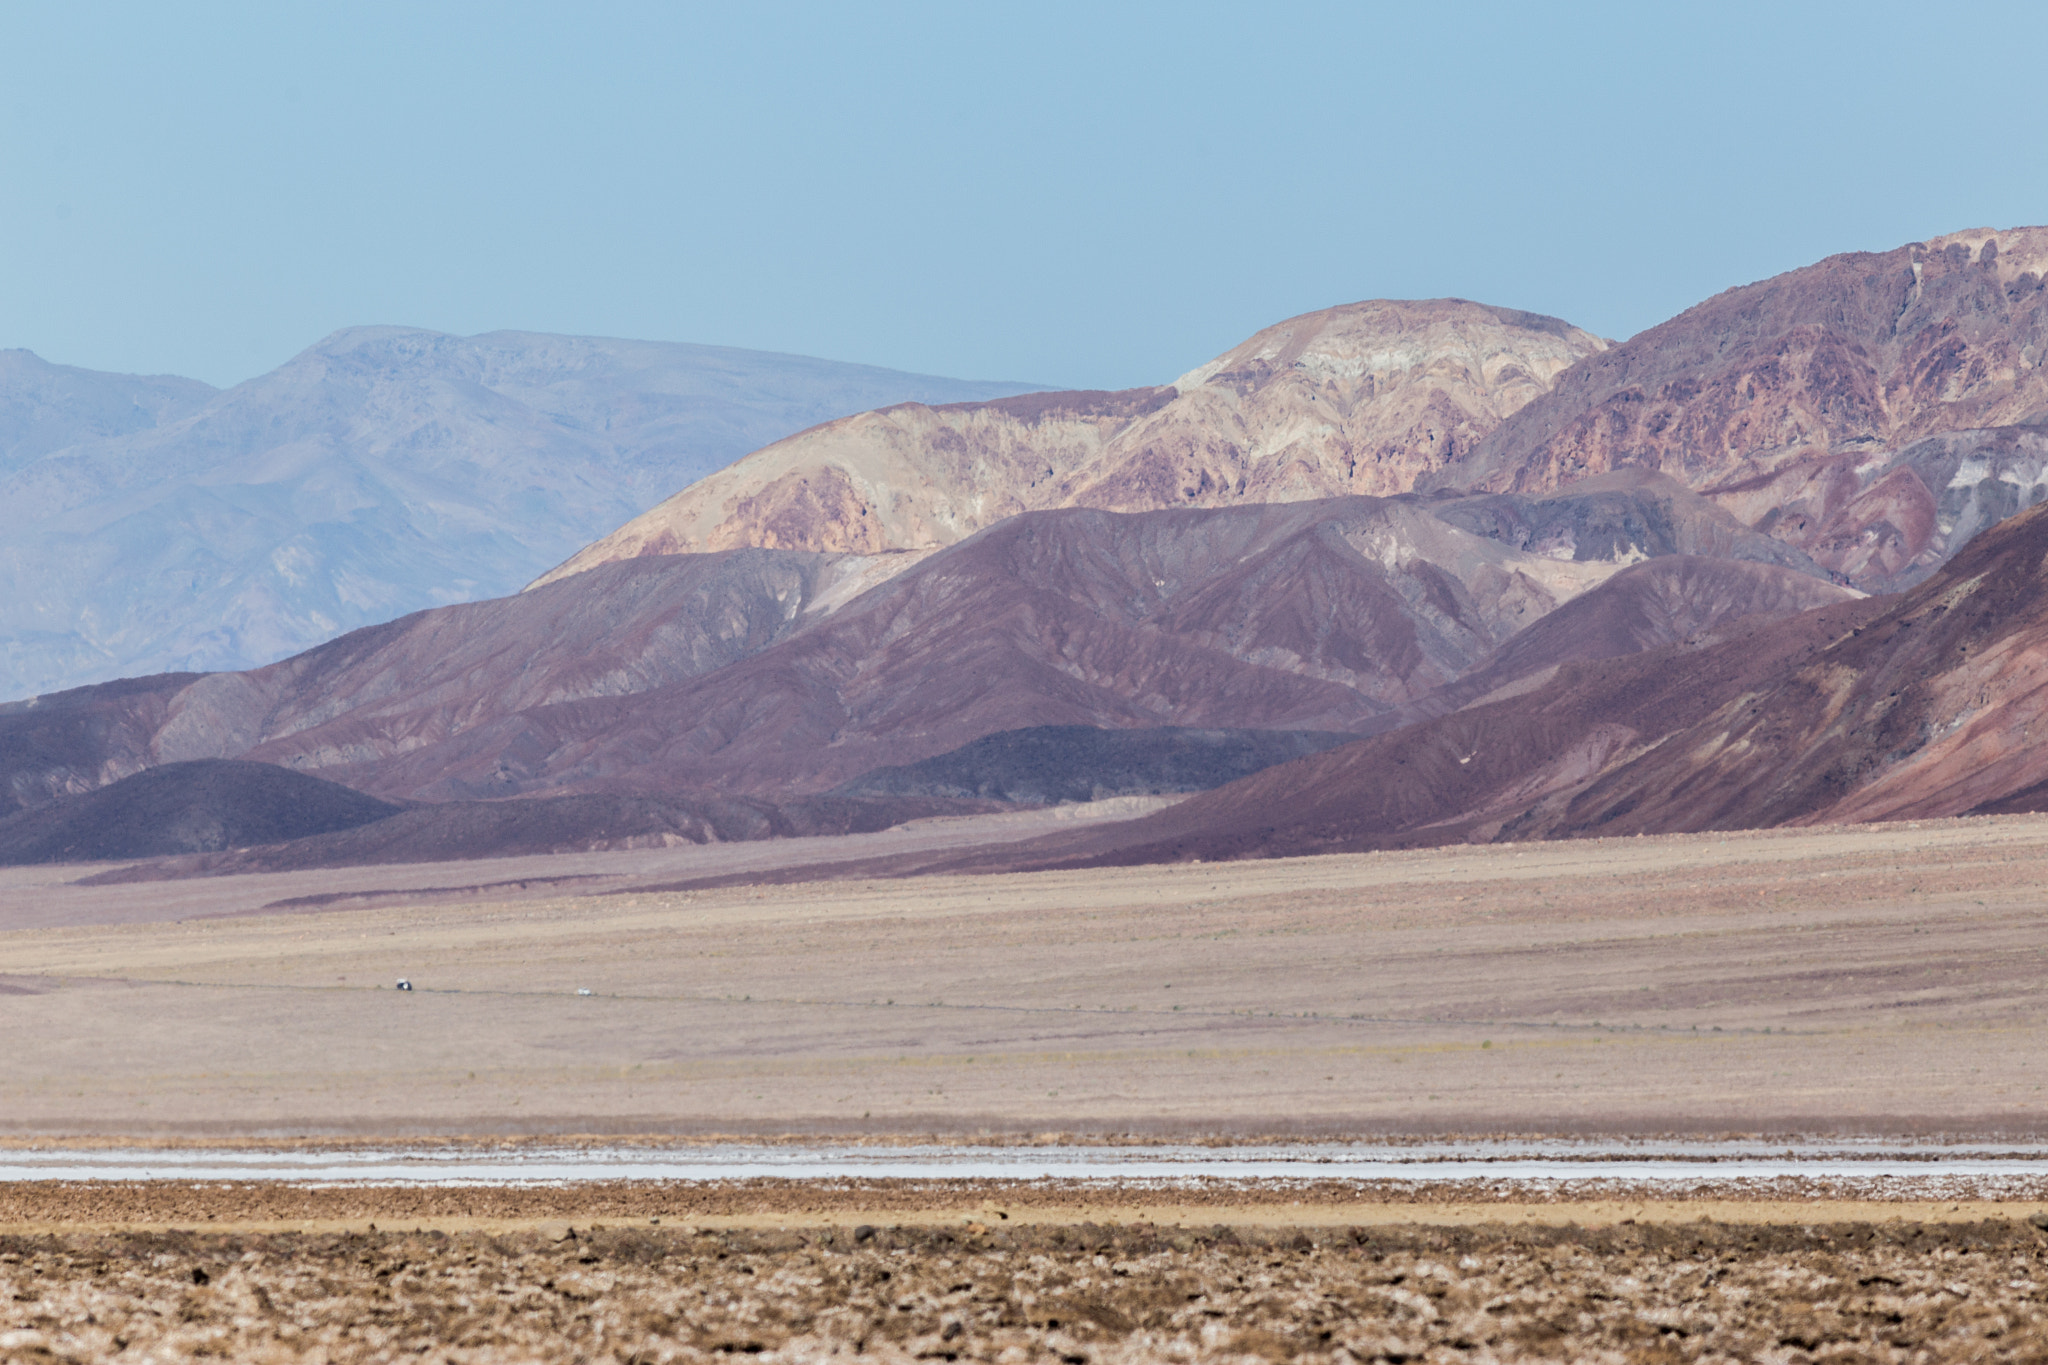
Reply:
x=1333 y=615
x=752 y=671
x=1875 y=410
x=75 y=741
x=1916 y=705
x=1679 y=599
x=1362 y=399
x=1316 y=615
x=424 y=678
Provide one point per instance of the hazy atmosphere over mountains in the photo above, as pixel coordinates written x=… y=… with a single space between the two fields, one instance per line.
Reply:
x=153 y=523
x=1433 y=526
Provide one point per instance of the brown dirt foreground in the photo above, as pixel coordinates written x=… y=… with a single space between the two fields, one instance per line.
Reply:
x=1022 y=1272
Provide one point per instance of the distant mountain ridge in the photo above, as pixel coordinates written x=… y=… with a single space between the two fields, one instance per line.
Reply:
x=46 y=407
x=1051 y=764
x=152 y=524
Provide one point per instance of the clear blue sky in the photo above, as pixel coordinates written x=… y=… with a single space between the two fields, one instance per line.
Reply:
x=1088 y=195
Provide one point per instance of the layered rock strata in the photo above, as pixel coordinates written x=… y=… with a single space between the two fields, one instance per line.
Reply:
x=1361 y=399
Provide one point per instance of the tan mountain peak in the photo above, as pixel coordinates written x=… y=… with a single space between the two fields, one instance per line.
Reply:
x=1363 y=398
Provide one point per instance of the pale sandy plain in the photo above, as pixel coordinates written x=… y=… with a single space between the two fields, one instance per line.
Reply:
x=1867 y=979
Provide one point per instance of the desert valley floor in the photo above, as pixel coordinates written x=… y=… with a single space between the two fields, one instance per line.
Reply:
x=1876 y=980
x=1872 y=979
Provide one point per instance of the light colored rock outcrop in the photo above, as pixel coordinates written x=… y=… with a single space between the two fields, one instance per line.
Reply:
x=1364 y=398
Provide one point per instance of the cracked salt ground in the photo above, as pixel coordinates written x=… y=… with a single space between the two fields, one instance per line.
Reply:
x=1672 y=1163
x=1700 y=1292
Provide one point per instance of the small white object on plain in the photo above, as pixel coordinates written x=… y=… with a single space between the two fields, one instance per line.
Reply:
x=582 y=990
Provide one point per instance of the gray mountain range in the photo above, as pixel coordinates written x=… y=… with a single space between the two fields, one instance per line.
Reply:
x=152 y=524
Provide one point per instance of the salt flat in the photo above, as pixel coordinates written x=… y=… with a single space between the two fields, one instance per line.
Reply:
x=1865 y=979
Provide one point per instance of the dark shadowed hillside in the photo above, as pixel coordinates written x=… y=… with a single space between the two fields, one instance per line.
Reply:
x=558 y=824
x=197 y=807
x=1048 y=764
x=1916 y=705
x=1679 y=599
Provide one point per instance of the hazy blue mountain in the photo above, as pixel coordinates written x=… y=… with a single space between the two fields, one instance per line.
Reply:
x=156 y=524
x=45 y=407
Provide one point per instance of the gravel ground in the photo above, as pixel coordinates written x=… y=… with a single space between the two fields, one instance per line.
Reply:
x=142 y=1205
x=1892 y=1291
